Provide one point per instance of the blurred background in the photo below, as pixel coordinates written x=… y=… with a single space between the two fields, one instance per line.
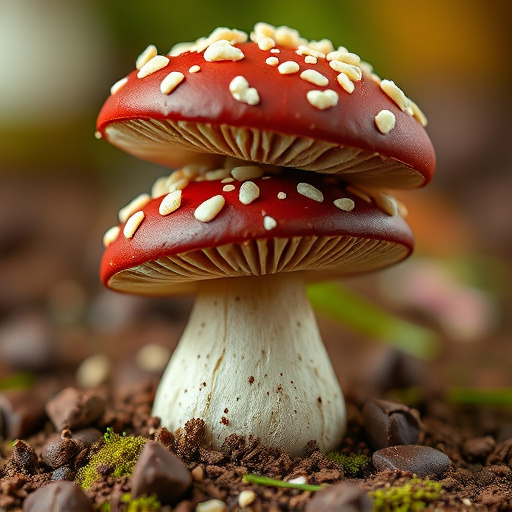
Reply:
x=446 y=311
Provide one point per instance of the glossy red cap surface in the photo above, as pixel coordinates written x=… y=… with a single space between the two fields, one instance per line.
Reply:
x=168 y=253
x=204 y=98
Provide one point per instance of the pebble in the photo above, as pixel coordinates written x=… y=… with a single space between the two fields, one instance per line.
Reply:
x=342 y=497
x=158 y=471
x=212 y=506
x=58 y=451
x=423 y=461
x=58 y=496
x=22 y=413
x=73 y=408
x=389 y=424
x=23 y=458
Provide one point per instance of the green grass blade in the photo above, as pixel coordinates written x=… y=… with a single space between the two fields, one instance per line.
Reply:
x=368 y=319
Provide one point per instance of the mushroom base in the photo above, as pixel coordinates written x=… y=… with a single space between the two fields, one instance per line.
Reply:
x=251 y=361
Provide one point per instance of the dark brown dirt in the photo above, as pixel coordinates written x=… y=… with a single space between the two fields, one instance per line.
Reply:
x=476 y=441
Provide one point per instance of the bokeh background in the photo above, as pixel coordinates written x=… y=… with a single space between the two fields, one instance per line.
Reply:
x=60 y=189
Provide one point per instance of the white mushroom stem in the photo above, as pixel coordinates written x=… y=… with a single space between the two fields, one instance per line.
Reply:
x=251 y=361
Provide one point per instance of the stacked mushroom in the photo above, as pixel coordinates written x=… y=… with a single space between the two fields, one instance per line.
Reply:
x=284 y=150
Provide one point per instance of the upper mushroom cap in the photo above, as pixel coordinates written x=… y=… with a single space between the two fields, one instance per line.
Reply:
x=297 y=221
x=277 y=99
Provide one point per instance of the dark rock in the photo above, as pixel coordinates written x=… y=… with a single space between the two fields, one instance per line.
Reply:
x=86 y=437
x=73 y=408
x=160 y=472
x=343 y=497
x=423 y=461
x=389 y=424
x=59 y=451
x=64 y=473
x=21 y=413
x=58 y=496
x=23 y=459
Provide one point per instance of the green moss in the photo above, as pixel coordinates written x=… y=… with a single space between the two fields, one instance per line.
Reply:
x=412 y=496
x=116 y=458
x=142 y=504
x=353 y=464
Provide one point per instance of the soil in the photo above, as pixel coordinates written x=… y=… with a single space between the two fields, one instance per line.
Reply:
x=478 y=443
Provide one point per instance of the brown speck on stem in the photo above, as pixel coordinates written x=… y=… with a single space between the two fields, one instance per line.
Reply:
x=251 y=379
x=319 y=399
x=224 y=421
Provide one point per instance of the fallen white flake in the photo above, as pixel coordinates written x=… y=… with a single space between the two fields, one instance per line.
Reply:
x=111 y=235
x=246 y=498
x=118 y=85
x=272 y=61
x=249 y=192
x=222 y=50
x=385 y=121
x=170 y=203
x=136 y=204
x=171 y=81
x=345 y=82
x=146 y=56
x=281 y=195
x=132 y=224
x=288 y=67
x=247 y=172
x=97 y=135
x=194 y=69
x=313 y=76
x=269 y=222
x=395 y=93
x=209 y=209
x=344 y=203
x=322 y=99
x=298 y=480
x=152 y=66
x=213 y=505
x=310 y=191
x=240 y=90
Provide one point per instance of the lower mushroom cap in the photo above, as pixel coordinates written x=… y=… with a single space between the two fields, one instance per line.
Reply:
x=286 y=228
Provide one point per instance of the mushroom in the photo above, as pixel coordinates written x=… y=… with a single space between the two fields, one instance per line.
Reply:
x=281 y=147
x=289 y=105
x=251 y=360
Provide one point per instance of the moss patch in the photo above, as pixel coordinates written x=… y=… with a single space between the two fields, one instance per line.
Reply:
x=116 y=458
x=412 y=496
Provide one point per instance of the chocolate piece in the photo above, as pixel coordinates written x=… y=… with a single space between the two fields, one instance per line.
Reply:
x=389 y=424
x=343 y=497
x=423 y=461
x=73 y=408
x=160 y=472
x=59 y=451
x=58 y=496
x=21 y=413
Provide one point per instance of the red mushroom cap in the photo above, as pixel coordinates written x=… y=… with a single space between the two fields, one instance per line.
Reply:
x=279 y=230
x=366 y=137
